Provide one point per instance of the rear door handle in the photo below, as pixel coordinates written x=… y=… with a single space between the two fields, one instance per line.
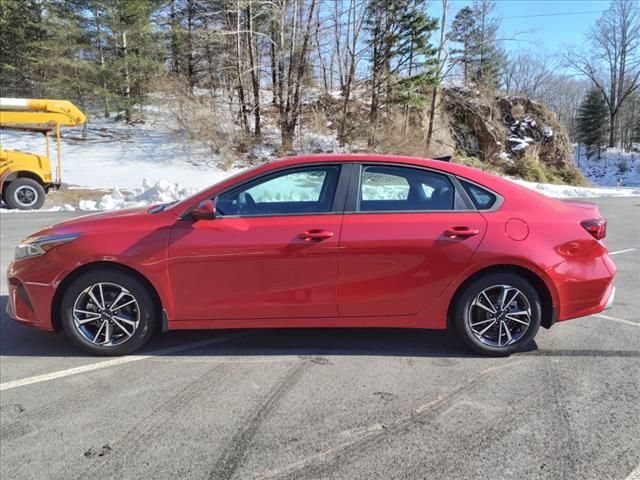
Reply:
x=315 y=234
x=461 y=232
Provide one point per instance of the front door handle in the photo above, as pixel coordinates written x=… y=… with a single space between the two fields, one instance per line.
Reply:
x=315 y=234
x=461 y=232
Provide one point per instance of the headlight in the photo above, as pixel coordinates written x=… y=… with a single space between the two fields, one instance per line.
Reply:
x=34 y=246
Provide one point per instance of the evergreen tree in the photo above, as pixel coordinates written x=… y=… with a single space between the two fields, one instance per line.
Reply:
x=415 y=54
x=21 y=39
x=489 y=57
x=478 y=53
x=134 y=51
x=187 y=52
x=463 y=31
x=402 y=59
x=67 y=54
x=593 y=123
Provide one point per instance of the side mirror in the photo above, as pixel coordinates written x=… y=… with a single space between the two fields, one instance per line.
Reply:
x=206 y=210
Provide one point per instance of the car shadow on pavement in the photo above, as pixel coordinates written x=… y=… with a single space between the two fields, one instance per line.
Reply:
x=19 y=340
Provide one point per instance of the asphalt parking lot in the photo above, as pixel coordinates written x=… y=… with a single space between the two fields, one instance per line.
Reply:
x=329 y=404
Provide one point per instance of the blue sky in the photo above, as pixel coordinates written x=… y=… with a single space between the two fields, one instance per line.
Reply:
x=539 y=24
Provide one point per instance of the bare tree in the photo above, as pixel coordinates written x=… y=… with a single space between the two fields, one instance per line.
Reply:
x=527 y=73
x=254 y=68
x=350 y=57
x=291 y=53
x=614 y=66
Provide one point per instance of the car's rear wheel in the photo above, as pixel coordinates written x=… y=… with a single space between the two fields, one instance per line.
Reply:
x=498 y=314
x=24 y=194
x=108 y=312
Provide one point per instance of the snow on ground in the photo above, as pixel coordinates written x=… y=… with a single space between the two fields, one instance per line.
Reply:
x=569 y=191
x=614 y=166
x=119 y=155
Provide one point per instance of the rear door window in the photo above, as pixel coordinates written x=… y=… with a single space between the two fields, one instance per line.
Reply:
x=391 y=188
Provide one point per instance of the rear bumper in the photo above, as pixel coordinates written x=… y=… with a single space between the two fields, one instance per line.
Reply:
x=611 y=299
x=585 y=289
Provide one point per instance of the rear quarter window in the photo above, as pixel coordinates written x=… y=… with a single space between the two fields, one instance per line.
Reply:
x=482 y=199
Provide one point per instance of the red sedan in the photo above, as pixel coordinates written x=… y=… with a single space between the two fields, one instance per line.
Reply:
x=322 y=241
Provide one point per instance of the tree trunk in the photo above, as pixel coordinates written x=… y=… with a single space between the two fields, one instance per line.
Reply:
x=293 y=108
x=274 y=72
x=105 y=95
x=612 y=130
x=255 y=79
x=434 y=93
x=175 y=51
x=191 y=68
x=242 y=107
x=127 y=78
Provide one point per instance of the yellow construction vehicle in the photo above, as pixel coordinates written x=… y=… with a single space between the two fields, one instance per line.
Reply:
x=25 y=178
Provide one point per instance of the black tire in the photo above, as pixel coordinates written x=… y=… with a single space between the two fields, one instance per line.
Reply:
x=463 y=314
x=24 y=194
x=145 y=310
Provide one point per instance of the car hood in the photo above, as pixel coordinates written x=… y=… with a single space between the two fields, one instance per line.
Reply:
x=113 y=220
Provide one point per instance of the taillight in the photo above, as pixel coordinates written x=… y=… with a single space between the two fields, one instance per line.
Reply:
x=596 y=227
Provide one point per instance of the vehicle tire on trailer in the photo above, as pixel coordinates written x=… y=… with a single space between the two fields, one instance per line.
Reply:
x=497 y=314
x=108 y=312
x=24 y=194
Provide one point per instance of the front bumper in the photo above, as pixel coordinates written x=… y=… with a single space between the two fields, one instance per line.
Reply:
x=29 y=302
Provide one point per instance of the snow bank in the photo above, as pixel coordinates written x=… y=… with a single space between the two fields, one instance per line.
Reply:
x=614 y=166
x=149 y=194
x=569 y=191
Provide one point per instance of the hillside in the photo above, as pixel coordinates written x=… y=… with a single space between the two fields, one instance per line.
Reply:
x=182 y=144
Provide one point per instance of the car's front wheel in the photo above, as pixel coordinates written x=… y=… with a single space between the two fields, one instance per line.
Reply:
x=497 y=314
x=108 y=312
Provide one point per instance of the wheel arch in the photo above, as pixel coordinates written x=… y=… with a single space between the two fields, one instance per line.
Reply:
x=549 y=313
x=56 y=321
x=14 y=175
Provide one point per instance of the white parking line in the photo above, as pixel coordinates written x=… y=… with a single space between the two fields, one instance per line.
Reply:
x=116 y=361
x=621 y=320
x=626 y=250
x=635 y=475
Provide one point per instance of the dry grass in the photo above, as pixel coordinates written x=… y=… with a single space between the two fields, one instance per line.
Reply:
x=202 y=118
x=72 y=197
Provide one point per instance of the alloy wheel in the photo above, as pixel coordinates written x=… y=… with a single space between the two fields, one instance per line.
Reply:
x=499 y=316
x=106 y=314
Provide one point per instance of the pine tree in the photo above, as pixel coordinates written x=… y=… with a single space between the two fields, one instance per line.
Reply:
x=463 y=31
x=402 y=59
x=489 y=57
x=68 y=54
x=593 y=123
x=478 y=54
x=187 y=20
x=135 y=53
x=415 y=55
x=21 y=37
